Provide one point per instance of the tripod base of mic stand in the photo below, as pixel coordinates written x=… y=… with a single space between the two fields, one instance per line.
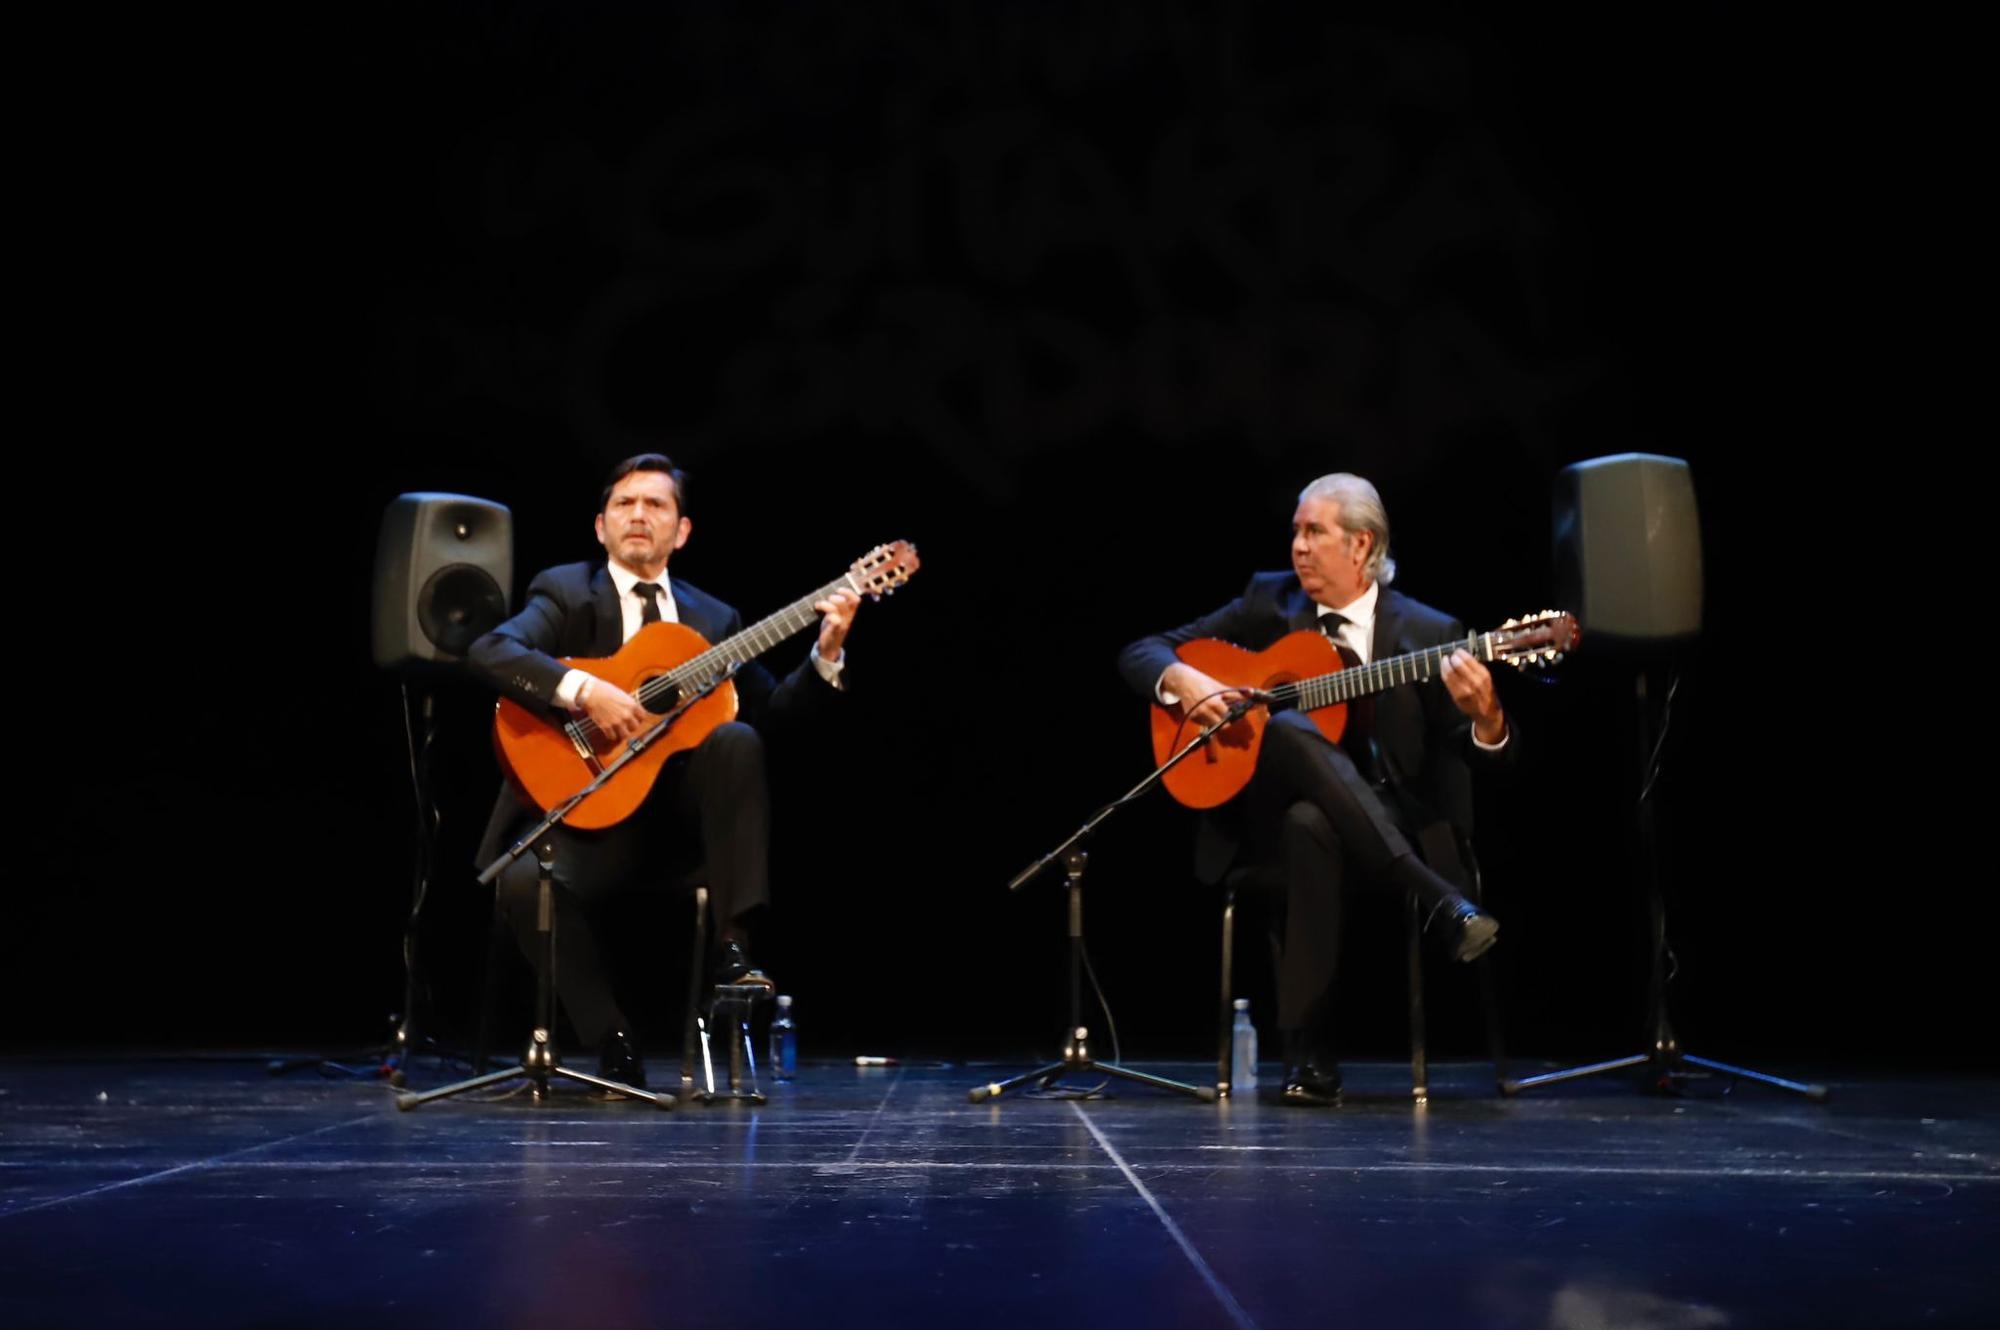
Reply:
x=1077 y=1061
x=538 y=1067
x=1668 y=1065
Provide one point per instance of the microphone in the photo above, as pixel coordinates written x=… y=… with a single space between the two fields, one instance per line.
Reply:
x=1252 y=697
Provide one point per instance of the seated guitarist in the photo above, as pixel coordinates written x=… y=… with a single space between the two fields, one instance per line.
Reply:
x=709 y=805
x=1385 y=807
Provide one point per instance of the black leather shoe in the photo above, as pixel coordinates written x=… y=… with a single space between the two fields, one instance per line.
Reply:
x=732 y=965
x=618 y=1061
x=1311 y=1085
x=1469 y=931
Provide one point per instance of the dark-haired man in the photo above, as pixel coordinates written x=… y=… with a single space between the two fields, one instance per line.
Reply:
x=1358 y=813
x=712 y=797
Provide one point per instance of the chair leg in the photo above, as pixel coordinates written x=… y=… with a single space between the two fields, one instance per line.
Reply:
x=690 y=1036
x=1419 y=1064
x=1494 y=1047
x=1227 y=1018
x=1489 y=1007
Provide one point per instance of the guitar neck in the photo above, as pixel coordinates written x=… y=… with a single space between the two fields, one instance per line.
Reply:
x=755 y=640
x=1379 y=676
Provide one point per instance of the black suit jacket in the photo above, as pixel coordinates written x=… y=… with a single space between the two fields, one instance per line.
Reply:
x=572 y=610
x=1425 y=741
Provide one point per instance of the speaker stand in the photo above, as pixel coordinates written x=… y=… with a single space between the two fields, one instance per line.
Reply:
x=1667 y=1064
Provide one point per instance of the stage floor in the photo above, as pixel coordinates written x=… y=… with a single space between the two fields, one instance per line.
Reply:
x=160 y=1192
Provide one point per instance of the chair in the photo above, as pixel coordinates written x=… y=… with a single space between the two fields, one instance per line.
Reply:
x=1268 y=880
x=732 y=1007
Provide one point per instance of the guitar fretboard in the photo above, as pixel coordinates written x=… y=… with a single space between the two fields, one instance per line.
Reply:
x=745 y=646
x=1327 y=690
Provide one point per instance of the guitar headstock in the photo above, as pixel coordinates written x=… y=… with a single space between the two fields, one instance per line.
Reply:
x=1536 y=641
x=881 y=570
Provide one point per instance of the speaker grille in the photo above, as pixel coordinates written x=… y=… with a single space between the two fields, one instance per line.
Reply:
x=457 y=604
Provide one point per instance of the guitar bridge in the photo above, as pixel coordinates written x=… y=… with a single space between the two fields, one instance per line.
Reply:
x=583 y=748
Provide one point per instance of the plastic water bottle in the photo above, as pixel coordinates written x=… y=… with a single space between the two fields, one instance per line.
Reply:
x=784 y=1041
x=1242 y=1050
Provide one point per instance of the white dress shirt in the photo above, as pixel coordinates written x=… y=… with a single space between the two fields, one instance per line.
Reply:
x=1358 y=633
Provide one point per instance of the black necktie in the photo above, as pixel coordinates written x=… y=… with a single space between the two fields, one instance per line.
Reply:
x=1358 y=739
x=651 y=591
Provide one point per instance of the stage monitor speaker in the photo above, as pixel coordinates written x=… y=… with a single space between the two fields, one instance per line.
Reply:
x=442 y=570
x=1628 y=548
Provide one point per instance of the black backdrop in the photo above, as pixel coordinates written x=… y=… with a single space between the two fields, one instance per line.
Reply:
x=1074 y=297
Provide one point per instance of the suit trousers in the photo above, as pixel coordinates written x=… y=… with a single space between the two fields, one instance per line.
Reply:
x=1313 y=812
x=706 y=822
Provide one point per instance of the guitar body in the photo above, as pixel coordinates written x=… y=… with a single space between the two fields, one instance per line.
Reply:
x=539 y=756
x=1219 y=772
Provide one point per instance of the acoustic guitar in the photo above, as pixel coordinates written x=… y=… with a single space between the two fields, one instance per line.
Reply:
x=1303 y=670
x=551 y=757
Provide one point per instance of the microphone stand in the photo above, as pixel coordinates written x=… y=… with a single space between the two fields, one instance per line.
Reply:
x=1076 y=1058
x=539 y=1065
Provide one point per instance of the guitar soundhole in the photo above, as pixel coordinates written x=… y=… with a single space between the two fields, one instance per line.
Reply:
x=659 y=696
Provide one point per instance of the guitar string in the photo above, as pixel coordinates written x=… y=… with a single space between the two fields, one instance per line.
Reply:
x=1373 y=677
x=703 y=662
x=1393 y=671
x=1370 y=675
x=695 y=666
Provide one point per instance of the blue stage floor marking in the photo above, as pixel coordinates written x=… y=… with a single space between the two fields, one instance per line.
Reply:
x=1215 y=1284
x=179 y=1169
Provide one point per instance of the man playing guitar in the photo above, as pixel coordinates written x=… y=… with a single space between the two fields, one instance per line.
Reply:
x=1385 y=806
x=709 y=806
